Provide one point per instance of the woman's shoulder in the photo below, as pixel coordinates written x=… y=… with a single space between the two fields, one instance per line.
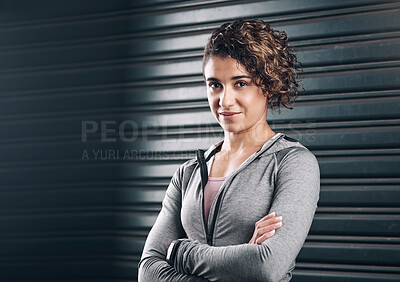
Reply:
x=293 y=151
x=192 y=162
x=186 y=168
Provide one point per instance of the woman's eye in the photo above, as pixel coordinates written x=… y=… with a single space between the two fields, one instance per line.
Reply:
x=241 y=83
x=214 y=85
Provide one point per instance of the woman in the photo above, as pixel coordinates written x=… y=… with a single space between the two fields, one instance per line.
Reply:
x=219 y=220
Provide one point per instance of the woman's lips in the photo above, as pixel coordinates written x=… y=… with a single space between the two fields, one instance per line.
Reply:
x=228 y=115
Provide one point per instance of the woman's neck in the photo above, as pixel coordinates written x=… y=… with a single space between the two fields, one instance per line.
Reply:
x=236 y=143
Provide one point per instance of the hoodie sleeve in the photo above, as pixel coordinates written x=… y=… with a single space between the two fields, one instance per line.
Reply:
x=153 y=266
x=296 y=196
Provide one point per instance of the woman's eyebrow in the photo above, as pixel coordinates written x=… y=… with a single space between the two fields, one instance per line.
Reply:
x=232 y=78
x=240 y=76
x=212 y=79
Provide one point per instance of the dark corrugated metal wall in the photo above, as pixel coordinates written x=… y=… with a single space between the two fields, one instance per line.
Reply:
x=135 y=69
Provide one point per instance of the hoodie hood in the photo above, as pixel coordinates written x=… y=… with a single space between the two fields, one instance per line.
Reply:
x=277 y=143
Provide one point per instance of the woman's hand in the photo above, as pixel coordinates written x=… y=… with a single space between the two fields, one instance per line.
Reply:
x=265 y=228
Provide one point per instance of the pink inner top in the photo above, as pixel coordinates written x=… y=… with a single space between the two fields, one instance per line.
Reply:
x=210 y=191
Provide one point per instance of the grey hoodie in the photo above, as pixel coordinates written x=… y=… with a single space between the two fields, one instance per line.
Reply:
x=283 y=176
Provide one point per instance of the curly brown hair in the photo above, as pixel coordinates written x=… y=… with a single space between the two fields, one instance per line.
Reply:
x=265 y=54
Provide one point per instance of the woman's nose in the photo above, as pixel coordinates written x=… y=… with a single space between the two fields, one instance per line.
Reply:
x=227 y=98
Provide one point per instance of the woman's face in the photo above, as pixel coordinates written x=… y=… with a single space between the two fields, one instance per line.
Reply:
x=235 y=100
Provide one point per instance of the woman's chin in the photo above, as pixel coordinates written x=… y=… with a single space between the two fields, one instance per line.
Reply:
x=232 y=128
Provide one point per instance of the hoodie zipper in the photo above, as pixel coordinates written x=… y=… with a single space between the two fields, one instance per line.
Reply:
x=204 y=178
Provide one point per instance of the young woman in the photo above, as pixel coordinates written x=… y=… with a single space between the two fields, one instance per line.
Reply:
x=241 y=210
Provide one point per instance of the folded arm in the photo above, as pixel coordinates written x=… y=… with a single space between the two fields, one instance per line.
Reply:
x=153 y=266
x=296 y=195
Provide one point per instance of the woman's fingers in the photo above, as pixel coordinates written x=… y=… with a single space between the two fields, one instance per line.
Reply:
x=265 y=228
x=265 y=236
x=268 y=216
x=269 y=228
x=268 y=221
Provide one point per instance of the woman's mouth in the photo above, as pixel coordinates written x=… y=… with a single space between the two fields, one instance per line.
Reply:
x=229 y=115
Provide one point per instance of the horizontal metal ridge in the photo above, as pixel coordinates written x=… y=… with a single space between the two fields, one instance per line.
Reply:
x=344 y=275
x=333 y=245
x=191 y=134
x=139 y=207
x=346 y=267
x=76 y=258
x=349 y=95
x=134 y=234
x=170 y=82
x=144 y=9
x=200 y=106
x=98 y=66
x=148 y=184
x=353 y=39
x=141 y=235
x=135 y=209
x=167 y=81
x=183 y=28
x=298 y=44
x=208 y=131
x=360 y=181
x=79 y=211
x=353 y=239
x=155 y=185
x=182 y=55
x=182 y=104
x=360 y=210
x=357 y=152
x=344 y=155
x=360 y=216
